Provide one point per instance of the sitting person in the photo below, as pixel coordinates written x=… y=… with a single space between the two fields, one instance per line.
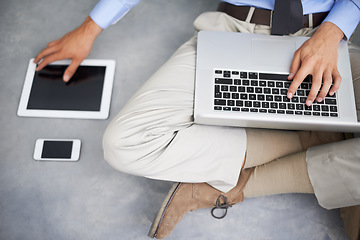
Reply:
x=154 y=134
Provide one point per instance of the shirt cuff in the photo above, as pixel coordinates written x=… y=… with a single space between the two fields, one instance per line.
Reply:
x=108 y=12
x=345 y=15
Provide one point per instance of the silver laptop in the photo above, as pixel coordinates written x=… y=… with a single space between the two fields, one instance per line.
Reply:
x=241 y=80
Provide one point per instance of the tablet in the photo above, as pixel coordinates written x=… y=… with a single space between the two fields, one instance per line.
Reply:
x=87 y=95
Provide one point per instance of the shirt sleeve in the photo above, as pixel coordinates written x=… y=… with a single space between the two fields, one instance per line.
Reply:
x=108 y=12
x=346 y=15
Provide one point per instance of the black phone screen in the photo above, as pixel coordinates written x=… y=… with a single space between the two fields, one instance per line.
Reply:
x=57 y=149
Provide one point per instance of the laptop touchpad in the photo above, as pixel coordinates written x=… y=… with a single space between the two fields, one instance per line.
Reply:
x=272 y=52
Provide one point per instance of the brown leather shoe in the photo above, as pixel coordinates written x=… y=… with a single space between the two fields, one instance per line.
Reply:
x=185 y=197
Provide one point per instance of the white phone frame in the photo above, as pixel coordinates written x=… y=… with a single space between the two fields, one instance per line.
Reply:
x=75 y=152
x=105 y=100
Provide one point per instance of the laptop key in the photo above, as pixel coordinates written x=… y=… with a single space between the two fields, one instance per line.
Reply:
x=239 y=103
x=271 y=84
x=243 y=96
x=220 y=102
x=278 y=98
x=230 y=102
x=279 y=84
x=226 y=95
x=253 y=75
x=269 y=98
x=227 y=74
x=261 y=97
x=330 y=101
x=275 y=91
x=223 y=81
x=246 y=82
x=274 y=105
x=282 y=105
x=333 y=109
x=243 y=75
x=271 y=76
x=241 y=89
x=254 y=83
x=252 y=96
x=250 y=89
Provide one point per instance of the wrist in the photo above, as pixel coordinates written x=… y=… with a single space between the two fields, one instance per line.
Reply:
x=330 y=32
x=91 y=28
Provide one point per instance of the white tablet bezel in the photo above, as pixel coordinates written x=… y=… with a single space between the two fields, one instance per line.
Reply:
x=105 y=99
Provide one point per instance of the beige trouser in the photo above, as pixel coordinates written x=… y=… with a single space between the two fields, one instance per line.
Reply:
x=154 y=134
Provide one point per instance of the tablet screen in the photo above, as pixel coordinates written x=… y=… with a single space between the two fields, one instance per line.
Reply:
x=82 y=93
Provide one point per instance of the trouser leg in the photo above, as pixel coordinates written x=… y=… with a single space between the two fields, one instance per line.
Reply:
x=154 y=135
x=284 y=175
x=279 y=158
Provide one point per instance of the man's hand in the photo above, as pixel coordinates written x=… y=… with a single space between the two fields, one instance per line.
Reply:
x=317 y=57
x=75 y=45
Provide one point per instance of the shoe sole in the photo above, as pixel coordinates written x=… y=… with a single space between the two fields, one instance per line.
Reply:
x=159 y=217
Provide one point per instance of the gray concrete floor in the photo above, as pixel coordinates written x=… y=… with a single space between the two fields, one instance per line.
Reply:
x=88 y=199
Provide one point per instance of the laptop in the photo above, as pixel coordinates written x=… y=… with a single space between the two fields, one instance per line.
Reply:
x=241 y=80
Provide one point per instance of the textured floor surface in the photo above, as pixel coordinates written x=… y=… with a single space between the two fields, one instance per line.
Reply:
x=87 y=199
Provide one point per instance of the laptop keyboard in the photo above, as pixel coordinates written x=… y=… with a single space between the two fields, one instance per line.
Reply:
x=241 y=91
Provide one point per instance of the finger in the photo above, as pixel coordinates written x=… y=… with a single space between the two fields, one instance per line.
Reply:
x=315 y=86
x=50 y=44
x=336 y=84
x=47 y=60
x=295 y=65
x=327 y=81
x=70 y=71
x=298 y=79
x=45 y=52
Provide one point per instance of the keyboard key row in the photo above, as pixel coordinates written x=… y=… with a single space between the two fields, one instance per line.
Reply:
x=278 y=111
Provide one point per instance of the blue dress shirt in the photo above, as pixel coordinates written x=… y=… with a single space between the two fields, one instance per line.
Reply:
x=343 y=13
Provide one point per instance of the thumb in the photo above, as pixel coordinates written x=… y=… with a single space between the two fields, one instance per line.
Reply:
x=70 y=71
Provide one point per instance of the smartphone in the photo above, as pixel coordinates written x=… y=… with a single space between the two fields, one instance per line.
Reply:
x=57 y=149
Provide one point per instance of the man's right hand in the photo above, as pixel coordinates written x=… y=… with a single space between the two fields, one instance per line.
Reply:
x=75 y=45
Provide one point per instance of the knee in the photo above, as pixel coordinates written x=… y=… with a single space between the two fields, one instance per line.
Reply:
x=133 y=150
x=118 y=152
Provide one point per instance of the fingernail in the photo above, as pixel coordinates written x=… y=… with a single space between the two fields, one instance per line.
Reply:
x=290 y=75
x=289 y=95
x=319 y=99
x=66 y=78
x=308 y=102
x=331 y=93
